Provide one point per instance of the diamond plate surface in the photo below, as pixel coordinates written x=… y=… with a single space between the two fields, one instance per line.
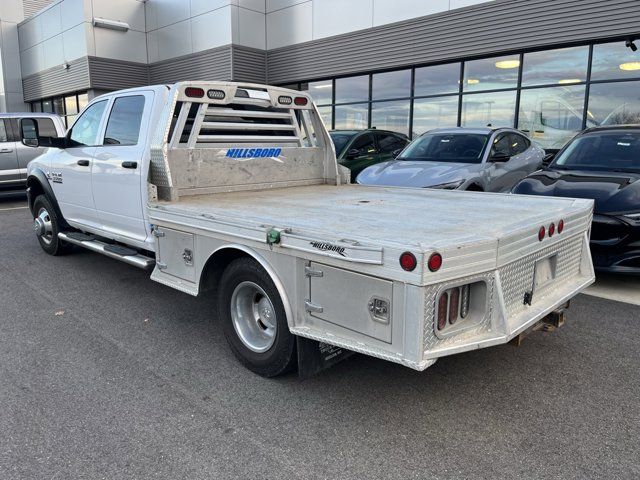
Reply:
x=159 y=174
x=516 y=278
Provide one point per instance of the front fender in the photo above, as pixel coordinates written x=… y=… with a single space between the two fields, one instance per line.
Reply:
x=38 y=184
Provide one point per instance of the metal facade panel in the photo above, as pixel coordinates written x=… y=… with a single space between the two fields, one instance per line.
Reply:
x=34 y=6
x=480 y=30
x=213 y=64
x=248 y=64
x=57 y=81
x=108 y=74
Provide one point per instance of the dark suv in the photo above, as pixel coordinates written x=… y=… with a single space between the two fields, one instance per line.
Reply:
x=358 y=149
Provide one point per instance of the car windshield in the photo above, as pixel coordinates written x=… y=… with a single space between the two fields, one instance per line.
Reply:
x=340 y=140
x=447 y=147
x=613 y=151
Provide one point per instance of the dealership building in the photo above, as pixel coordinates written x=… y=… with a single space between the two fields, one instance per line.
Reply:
x=547 y=67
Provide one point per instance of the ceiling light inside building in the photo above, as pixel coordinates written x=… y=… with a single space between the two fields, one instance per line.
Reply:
x=473 y=81
x=505 y=64
x=629 y=66
x=110 y=24
x=569 y=81
x=324 y=85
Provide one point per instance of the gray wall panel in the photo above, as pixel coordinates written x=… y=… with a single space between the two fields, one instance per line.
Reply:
x=248 y=64
x=57 y=81
x=33 y=6
x=485 y=29
x=213 y=64
x=108 y=74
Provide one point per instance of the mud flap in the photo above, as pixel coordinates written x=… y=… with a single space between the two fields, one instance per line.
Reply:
x=314 y=356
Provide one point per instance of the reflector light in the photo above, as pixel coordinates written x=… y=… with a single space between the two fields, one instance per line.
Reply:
x=285 y=100
x=454 y=304
x=194 y=92
x=442 y=310
x=215 y=94
x=560 y=226
x=552 y=230
x=541 y=233
x=435 y=262
x=408 y=261
x=464 y=308
x=301 y=101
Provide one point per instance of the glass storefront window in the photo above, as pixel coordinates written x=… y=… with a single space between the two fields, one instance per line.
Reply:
x=614 y=103
x=70 y=105
x=437 y=112
x=392 y=116
x=564 y=66
x=325 y=113
x=553 y=115
x=437 y=80
x=321 y=92
x=495 y=109
x=491 y=73
x=36 y=107
x=352 y=89
x=391 y=85
x=47 y=106
x=613 y=61
x=352 y=116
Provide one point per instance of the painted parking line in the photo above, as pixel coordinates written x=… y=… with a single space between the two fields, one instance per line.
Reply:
x=12 y=208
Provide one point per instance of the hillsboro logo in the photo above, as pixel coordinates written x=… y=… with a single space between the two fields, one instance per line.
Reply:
x=253 y=152
x=327 y=247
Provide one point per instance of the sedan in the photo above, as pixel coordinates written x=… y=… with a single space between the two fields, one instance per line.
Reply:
x=480 y=159
x=603 y=164
x=358 y=149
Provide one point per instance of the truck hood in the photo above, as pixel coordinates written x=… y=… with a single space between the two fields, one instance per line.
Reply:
x=409 y=173
x=613 y=192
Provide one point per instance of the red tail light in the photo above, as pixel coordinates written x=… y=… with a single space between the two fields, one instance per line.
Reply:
x=300 y=101
x=194 y=92
x=541 y=233
x=552 y=230
x=442 y=310
x=435 y=262
x=560 y=226
x=408 y=261
x=454 y=304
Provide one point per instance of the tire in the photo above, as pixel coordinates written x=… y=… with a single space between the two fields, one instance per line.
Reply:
x=47 y=226
x=247 y=303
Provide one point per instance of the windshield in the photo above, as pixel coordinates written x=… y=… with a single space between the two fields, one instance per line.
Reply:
x=340 y=140
x=447 y=147
x=614 y=151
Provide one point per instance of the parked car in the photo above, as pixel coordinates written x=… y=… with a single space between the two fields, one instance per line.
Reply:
x=358 y=149
x=481 y=159
x=14 y=156
x=602 y=163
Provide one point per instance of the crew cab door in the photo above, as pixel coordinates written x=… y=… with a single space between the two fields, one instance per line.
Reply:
x=9 y=170
x=70 y=173
x=117 y=167
x=504 y=175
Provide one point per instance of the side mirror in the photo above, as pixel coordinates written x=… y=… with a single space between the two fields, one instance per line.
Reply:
x=29 y=129
x=499 y=158
x=353 y=153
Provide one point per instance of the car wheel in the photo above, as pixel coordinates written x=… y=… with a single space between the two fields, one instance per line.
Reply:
x=46 y=224
x=254 y=319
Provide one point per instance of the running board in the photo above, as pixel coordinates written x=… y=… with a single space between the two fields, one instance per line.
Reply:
x=106 y=249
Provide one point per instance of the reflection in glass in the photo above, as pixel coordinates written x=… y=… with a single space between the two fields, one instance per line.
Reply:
x=491 y=73
x=392 y=116
x=47 y=106
x=438 y=112
x=613 y=61
x=325 y=114
x=352 y=116
x=391 y=85
x=489 y=109
x=437 y=80
x=352 y=89
x=70 y=105
x=564 y=66
x=321 y=92
x=83 y=99
x=614 y=103
x=553 y=115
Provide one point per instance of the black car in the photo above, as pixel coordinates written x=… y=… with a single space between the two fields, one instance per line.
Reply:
x=359 y=149
x=601 y=163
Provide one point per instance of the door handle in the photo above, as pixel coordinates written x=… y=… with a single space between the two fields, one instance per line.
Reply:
x=127 y=164
x=83 y=163
x=6 y=150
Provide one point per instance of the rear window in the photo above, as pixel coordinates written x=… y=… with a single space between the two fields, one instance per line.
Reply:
x=123 y=127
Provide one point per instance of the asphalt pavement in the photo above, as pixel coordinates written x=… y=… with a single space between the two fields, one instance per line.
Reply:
x=105 y=374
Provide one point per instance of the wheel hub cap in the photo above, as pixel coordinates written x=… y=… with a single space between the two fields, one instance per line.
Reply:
x=253 y=316
x=43 y=226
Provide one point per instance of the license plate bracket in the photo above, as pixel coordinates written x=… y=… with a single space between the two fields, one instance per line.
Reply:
x=544 y=271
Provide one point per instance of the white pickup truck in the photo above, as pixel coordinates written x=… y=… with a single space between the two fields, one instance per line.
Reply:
x=233 y=190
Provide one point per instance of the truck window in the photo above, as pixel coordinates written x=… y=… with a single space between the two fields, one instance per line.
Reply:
x=3 y=132
x=85 y=130
x=123 y=127
x=389 y=143
x=364 y=144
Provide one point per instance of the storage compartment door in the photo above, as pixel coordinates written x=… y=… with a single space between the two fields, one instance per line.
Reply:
x=352 y=300
x=175 y=253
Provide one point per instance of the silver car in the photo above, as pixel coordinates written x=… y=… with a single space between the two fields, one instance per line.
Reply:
x=480 y=159
x=14 y=155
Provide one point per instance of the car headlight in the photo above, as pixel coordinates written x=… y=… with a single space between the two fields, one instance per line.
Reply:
x=634 y=217
x=448 y=186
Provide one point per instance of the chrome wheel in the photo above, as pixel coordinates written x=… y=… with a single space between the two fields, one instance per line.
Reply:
x=43 y=226
x=253 y=317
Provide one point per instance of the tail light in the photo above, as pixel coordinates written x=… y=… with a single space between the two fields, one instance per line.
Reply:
x=560 y=226
x=435 y=262
x=283 y=99
x=464 y=308
x=408 y=261
x=442 y=310
x=194 y=92
x=215 y=94
x=300 y=101
x=541 y=233
x=453 y=305
x=552 y=230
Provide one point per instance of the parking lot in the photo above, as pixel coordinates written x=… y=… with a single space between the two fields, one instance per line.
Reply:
x=106 y=374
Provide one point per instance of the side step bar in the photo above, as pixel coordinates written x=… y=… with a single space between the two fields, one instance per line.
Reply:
x=97 y=246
